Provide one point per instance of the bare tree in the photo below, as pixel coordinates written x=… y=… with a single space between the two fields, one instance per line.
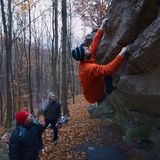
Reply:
x=30 y=60
x=7 y=19
x=64 y=39
x=91 y=11
x=29 y=63
x=1 y=61
x=54 y=44
x=72 y=79
x=56 y=39
x=1 y=108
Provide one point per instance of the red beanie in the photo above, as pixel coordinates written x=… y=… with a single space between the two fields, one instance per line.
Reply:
x=21 y=117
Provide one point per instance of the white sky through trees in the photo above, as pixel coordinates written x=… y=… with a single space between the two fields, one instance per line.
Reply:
x=43 y=10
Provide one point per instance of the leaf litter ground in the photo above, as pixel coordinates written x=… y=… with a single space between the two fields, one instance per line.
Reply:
x=80 y=133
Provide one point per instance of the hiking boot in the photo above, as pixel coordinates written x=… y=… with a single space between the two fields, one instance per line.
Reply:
x=55 y=142
x=42 y=150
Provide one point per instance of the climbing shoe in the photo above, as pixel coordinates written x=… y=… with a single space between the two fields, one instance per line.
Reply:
x=108 y=84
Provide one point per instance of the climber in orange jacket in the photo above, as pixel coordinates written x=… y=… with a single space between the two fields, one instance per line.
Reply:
x=91 y=75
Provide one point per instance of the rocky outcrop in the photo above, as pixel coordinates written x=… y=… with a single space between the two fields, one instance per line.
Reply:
x=138 y=25
x=128 y=19
x=135 y=23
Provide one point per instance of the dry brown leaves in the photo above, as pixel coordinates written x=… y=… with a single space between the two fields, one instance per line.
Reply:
x=79 y=129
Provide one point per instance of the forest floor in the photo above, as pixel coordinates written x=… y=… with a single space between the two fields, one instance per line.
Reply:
x=82 y=133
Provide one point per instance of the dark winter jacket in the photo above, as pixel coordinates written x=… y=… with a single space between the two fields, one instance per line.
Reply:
x=26 y=142
x=53 y=110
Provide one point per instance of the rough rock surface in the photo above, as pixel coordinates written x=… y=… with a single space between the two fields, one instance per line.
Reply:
x=135 y=23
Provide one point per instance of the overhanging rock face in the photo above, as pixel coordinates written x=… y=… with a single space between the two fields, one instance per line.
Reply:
x=128 y=19
x=141 y=92
x=135 y=23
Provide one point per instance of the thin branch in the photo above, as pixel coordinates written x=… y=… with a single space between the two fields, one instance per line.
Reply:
x=32 y=22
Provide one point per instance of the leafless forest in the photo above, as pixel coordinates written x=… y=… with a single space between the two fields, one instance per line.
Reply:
x=36 y=40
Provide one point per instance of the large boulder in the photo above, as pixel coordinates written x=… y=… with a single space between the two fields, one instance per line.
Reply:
x=135 y=23
x=138 y=25
x=128 y=19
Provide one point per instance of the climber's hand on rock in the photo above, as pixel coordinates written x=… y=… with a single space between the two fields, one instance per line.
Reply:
x=104 y=23
x=123 y=51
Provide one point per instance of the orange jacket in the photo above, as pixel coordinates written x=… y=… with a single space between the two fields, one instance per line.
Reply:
x=91 y=75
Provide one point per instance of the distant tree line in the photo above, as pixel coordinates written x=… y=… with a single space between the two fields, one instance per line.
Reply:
x=35 y=46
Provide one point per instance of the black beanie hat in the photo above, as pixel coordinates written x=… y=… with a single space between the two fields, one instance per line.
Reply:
x=78 y=53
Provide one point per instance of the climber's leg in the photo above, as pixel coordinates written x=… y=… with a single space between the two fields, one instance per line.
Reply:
x=108 y=84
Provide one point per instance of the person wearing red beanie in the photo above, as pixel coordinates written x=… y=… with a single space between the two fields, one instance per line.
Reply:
x=26 y=140
x=21 y=117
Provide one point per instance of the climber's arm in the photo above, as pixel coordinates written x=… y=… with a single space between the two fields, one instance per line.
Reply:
x=97 y=38
x=110 y=68
x=96 y=41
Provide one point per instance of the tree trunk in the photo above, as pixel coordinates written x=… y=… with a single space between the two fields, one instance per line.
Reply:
x=29 y=64
x=26 y=72
x=38 y=71
x=53 y=81
x=1 y=49
x=1 y=108
x=59 y=76
x=1 y=61
x=8 y=47
x=71 y=60
x=64 y=35
x=55 y=45
x=13 y=94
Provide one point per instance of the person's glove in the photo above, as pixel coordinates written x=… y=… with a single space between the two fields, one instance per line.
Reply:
x=49 y=126
x=123 y=51
x=104 y=23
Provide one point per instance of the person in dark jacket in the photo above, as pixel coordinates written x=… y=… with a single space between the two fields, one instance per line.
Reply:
x=26 y=140
x=52 y=115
